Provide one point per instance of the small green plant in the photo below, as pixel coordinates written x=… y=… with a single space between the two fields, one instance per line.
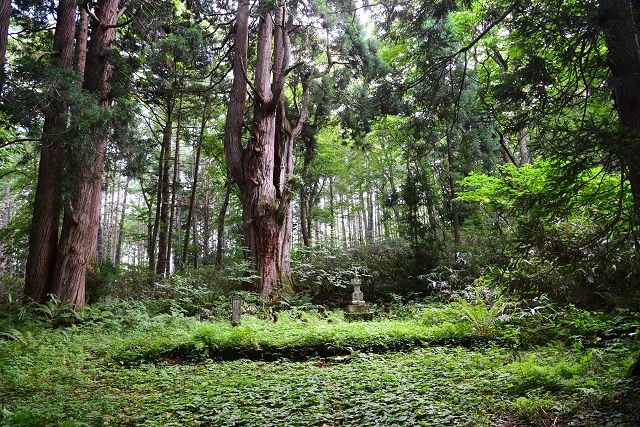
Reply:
x=482 y=317
x=533 y=409
x=25 y=338
x=57 y=313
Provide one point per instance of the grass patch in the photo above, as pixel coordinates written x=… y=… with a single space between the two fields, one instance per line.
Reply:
x=293 y=338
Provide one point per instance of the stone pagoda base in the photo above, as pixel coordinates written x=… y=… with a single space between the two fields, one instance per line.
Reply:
x=358 y=312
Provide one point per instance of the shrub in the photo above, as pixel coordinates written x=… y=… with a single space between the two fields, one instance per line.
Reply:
x=386 y=267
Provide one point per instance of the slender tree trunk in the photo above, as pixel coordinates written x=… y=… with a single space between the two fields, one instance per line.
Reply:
x=332 y=212
x=304 y=226
x=525 y=158
x=455 y=215
x=76 y=249
x=342 y=222
x=174 y=187
x=81 y=42
x=45 y=220
x=194 y=187
x=163 y=226
x=156 y=222
x=196 y=250
x=5 y=218
x=206 y=229
x=121 y=231
x=221 y=216
x=113 y=215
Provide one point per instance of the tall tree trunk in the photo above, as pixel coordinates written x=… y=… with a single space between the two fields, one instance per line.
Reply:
x=5 y=17
x=206 y=229
x=262 y=171
x=45 y=220
x=525 y=158
x=81 y=41
x=332 y=212
x=153 y=239
x=174 y=186
x=114 y=208
x=163 y=225
x=620 y=20
x=194 y=187
x=221 y=215
x=304 y=227
x=455 y=215
x=76 y=249
x=194 y=245
x=121 y=230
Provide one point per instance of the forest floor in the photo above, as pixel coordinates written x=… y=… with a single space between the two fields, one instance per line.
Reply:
x=431 y=365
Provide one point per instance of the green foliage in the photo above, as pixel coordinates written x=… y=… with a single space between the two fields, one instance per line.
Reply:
x=387 y=267
x=68 y=375
x=293 y=336
x=566 y=239
x=482 y=317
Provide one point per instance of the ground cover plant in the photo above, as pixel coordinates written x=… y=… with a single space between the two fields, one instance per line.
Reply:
x=421 y=364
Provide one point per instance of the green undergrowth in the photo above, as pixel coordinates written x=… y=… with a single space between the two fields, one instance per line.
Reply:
x=120 y=364
x=293 y=338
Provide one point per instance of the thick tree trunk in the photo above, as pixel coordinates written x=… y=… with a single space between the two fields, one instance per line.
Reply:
x=76 y=249
x=45 y=220
x=163 y=225
x=620 y=20
x=262 y=170
x=620 y=27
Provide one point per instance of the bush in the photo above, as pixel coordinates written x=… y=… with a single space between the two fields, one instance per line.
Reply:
x=386 y=267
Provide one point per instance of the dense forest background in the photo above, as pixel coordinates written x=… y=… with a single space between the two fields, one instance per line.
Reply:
x=436 y=143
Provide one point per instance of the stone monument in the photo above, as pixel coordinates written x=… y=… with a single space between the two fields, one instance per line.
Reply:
x=236 y=306
x=358 y=309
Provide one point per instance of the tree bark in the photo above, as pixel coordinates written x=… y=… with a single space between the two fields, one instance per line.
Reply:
x=76 y=249
x=620 y=20
x=121 y=230
x=221 y=216
x=174 y=187
x=81 y=41
x=194 y=187
x=525 y=157
x=5 y=17
x=45 y=220
x=206 y=229
x=455 y=214
x=263 y=170
x=163 y=222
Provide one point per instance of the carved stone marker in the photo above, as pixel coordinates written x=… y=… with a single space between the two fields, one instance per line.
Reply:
x=236 y=306
x=358 y=309
x=357 y=298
